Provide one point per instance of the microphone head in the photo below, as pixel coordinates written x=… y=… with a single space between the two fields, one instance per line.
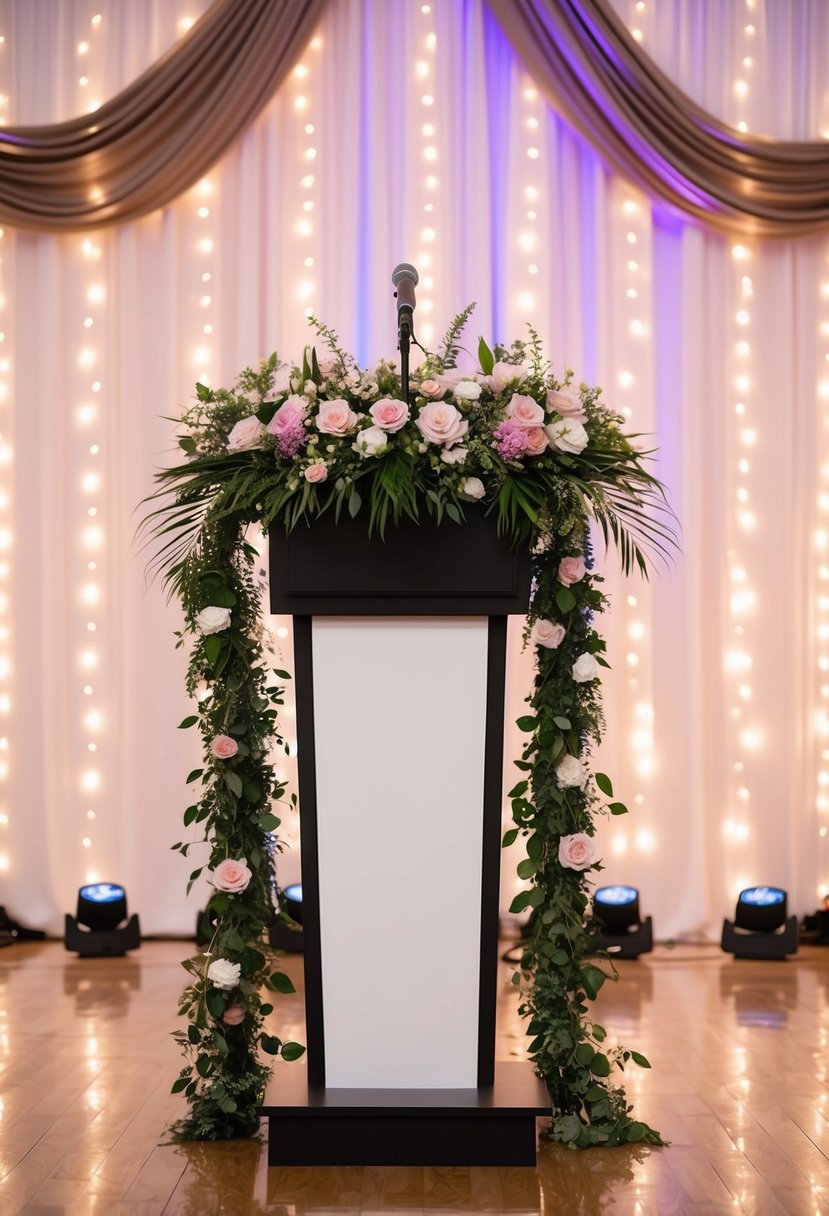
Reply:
x=404 y=272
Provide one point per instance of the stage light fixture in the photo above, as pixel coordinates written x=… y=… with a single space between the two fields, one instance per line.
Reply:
x=11 y=931
x=623 y=931
x=761 y=927
x=292 y=901
x=100 y=925
x=286 y=934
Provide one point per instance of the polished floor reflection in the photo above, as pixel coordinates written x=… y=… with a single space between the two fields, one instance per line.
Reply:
x=740 y=1085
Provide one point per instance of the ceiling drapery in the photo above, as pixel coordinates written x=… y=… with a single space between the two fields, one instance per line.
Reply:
x=160 y=134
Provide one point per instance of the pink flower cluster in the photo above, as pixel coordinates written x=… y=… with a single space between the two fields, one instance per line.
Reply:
x=287 y=426
x=510 y=440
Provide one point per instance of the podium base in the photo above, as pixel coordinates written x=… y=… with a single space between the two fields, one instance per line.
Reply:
x=492 y=1125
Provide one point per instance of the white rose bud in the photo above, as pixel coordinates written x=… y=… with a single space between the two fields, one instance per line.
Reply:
x=468 y=390
x=585 y=669
x=454 y=455
x=472 y=489
x=570 y=773
x=212 y=620
x=371 y=441
x=224 y=974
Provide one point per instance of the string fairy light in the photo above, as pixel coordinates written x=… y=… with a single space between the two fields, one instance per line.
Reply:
x=745 y=732
x=425 y=115
x=820 y=541
x=303 y=105
x=635 y=397
x=90 y=492
x=531 y=117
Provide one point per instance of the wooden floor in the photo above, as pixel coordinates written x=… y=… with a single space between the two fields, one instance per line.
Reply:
x=739 y=1084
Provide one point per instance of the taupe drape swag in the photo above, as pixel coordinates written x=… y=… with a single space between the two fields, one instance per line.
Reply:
x=593 y=71
x=159 y=135
x=164 y=131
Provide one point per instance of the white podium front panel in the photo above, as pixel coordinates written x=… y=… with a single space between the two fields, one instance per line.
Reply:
x=399 y=727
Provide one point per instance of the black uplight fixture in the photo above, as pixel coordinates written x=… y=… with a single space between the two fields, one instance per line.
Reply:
x=623 y=932
x=286 y=930
x=100 y=925
x=761 y=927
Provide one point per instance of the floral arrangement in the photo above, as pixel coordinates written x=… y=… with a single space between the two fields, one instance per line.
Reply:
x=289 y=442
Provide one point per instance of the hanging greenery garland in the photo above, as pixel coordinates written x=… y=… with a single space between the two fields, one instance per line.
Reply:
x=288 y=442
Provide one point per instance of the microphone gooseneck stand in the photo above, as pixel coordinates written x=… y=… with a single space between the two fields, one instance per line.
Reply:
x=405 y=279
x=404 y=337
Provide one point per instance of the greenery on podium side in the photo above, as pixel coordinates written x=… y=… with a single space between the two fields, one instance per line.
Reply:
x=287 y=443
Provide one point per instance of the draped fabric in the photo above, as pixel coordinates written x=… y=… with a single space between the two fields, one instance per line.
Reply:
x=646 y=128
x=159 y=135
x=410 y=135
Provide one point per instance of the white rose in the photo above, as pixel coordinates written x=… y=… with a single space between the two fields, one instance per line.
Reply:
x=212 y=620
x=472 y=488
x=468 y=390
x=224 y=974
x=246 y=435
x=371 y=441
x=570 y=773
x=454 y=455
x=567 y=435
x=585 y=668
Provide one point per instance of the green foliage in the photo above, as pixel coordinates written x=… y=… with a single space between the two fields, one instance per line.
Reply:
x=561 y=968
x=197 y=520
x=231 y=680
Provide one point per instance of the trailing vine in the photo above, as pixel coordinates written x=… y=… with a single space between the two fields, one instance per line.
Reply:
x=289 y=442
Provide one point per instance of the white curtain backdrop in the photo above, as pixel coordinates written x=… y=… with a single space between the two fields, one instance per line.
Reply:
x=409 y=131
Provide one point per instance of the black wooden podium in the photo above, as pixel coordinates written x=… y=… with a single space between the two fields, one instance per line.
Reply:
x=400 y=653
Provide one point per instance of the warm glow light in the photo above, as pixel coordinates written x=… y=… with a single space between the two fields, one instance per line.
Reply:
x=91 y=781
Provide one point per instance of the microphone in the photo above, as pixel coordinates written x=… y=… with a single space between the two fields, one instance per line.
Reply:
x=405 y=279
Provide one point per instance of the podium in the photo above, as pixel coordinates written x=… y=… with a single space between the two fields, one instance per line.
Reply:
x=399 y=663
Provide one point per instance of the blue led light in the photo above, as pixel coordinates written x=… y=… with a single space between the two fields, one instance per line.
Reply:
x=294 y=892
x=102 y=893
x=616 y=896
x=762 y=897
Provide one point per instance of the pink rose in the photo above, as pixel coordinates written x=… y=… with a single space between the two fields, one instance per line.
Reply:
x=390 y=414
x=525 y=412
x=577 y=852
x=547 y=633
x=567 y=405
x=234 y=1015
x=431 y=388
x=328 y=363
x=336 y=417
x=440 y=422
x=223 y=747
x=536 y=441
x=448 y=380
x=289 y=415
x=571 y=570
x=315 y=473
x=246 y=435
x=232 y=876
x=504 y=374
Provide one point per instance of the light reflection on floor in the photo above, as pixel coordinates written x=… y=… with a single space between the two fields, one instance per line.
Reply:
x=738 y=1084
